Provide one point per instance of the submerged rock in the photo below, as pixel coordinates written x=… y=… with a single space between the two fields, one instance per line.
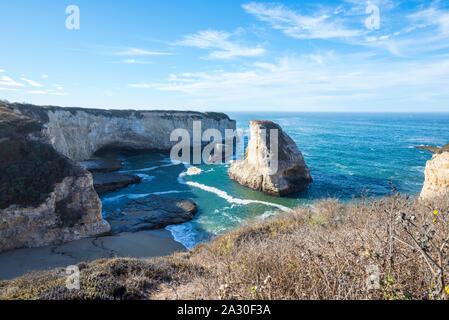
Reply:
x=292 y=174
x=101 y=165
x=104 y=182
x=152 y=212
x=436 y=183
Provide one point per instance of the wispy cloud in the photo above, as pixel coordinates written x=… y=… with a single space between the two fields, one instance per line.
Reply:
x=321 y=25
x=141 y=85
x=44 y=76
x=221 y=45
x=7 y=81
x=32 y=82
x=1 y=70
x=134 y=61
x=318 y=82
x=140 y=52
x=46 y=92
x=432 y=17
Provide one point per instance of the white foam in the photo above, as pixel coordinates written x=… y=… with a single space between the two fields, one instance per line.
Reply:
x=145 y=177
x=224 y=195
x=230 y=199
x=151 y=168
x=139 y=195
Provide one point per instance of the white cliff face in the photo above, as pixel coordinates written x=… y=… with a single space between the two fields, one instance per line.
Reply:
x=436 y=183
x=71 y=212
x=78 y=134
x=256 y=170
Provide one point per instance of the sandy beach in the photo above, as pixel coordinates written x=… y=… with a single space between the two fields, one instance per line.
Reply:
x=143 y=244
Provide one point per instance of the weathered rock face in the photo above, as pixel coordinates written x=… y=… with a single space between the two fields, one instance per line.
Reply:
x=44 y=196
x=152 y=212
x=254 y=171
x=436 y=183
x=71 y=212
x=77 y=133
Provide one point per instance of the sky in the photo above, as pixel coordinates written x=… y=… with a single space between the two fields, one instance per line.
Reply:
x=210 y=55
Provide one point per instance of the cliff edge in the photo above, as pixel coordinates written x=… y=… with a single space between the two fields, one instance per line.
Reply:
x=44 y=196
x=436 y=183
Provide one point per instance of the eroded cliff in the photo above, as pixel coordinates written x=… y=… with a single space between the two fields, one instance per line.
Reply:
x=44 y=196
x=77 y=133
x=436 y=183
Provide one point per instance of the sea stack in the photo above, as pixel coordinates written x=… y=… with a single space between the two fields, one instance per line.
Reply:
x=292 y=174
x=436 y=183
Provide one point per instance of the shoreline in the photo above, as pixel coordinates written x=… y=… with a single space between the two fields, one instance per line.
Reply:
x=144 y=244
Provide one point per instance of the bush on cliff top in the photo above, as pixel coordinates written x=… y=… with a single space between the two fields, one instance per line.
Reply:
x=328 y=251
x=28 y=169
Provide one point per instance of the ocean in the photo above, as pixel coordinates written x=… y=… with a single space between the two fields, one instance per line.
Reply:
x=348 y=154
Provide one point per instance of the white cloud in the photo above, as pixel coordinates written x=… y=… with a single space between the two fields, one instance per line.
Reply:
x=318 y=82
x=432 y=17
x=134 y=61
x=1 y=70
x=32 y=82
x=7 y=81
x=141 y=85
x=319 y=26
x=46 y=92
x=7 y=89
x=220 y=44
x=59 y=87
x=140 y=52
x=44 y=76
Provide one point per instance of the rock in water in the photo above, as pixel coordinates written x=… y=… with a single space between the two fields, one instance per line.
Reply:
x=109 y=181
x=101 y=165
x=152 y=212
x=436 y=183
x=292 y=174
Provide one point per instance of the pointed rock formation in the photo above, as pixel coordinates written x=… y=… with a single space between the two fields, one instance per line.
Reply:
x=256 y=170
x=436 y=183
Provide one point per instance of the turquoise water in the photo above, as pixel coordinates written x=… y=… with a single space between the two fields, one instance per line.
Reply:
x=347 y=154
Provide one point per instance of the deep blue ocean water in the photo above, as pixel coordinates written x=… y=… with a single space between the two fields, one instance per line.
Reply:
x=347 y=153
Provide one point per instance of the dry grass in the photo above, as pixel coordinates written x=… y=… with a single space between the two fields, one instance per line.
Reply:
x=328 y=251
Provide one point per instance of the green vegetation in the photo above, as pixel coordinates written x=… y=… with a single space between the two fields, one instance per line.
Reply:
x=28 y=169
x=328 y=251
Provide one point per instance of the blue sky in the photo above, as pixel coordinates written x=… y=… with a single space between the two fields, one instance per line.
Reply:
x=228 y=55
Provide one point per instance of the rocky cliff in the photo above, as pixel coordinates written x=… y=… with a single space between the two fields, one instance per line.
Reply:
x=44 y=196
x=436 y=183
x=77 y=133
x=256 y=170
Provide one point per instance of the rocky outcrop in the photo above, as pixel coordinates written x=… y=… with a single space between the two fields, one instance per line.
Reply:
x=152 y=212
x=101 y=165
x=256 y=170
x=44 y=196
x=77 y=133
x=71 y=212
x=104 y=182
x=436 y=183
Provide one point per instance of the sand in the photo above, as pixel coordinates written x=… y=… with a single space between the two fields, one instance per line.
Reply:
x=144 y=244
